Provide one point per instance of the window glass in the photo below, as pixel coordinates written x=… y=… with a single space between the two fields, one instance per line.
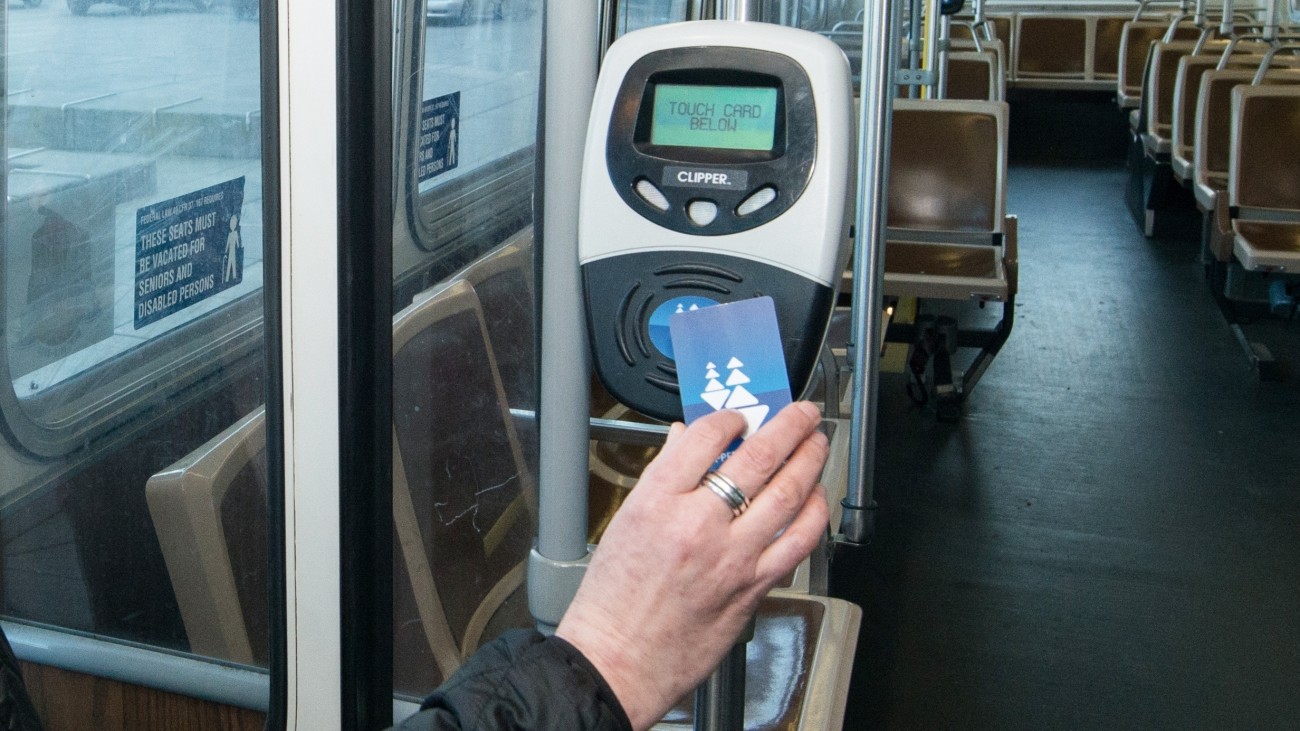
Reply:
x=134 y=195
x=464 y=503
x=132 y=321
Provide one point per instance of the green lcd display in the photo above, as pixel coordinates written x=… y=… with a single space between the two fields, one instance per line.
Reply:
x=720 y=117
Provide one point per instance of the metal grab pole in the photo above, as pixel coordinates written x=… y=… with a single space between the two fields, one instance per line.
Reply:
x=741 y=10
x=557 y=563
x=933 y=58
x=1271 y=22
x=720 y=701
x=1227 y=27
x=879 y=53
x=1202 y=22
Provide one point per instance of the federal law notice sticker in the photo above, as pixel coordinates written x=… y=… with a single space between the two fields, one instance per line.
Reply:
x=187 y=249
x=730 y=357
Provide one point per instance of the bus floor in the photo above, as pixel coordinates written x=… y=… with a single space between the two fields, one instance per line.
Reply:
x=1110 y=536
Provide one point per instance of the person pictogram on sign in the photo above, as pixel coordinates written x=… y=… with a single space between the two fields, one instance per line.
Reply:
x=233 y=245
x=451 y=144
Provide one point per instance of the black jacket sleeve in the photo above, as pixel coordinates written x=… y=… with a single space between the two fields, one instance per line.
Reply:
x=522 y=681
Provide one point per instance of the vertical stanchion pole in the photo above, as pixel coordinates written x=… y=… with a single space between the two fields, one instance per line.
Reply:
x=1271 y=16
x=742 y=10
x=933 y=33
x=572 y=46
x=916 y=11
x=1227 y=27
x=720 y=701
x=879 y=54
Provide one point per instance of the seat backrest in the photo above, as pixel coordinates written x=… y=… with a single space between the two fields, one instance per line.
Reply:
x=463 y=502
x=1264 y=170
x=1214 y=118
x=1134 y=48
x=947 y=166
x=1053 y=45
x=462 y=497
x=1158 y=91
x=1106 y=46
x=208 y=511
x=972 y=76
x=503 y=281
x=996 y=46
x=1187 y=89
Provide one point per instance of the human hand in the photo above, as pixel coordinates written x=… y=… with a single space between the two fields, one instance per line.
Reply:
x=676 y=578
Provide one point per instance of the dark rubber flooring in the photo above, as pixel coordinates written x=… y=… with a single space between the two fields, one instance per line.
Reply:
x=1110 y=537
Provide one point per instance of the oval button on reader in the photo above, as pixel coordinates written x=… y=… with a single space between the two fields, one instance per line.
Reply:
x=753 y=203
x=702 y=213
x=650 y=194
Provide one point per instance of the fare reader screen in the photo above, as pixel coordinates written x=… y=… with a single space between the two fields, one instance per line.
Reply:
x=718 y=117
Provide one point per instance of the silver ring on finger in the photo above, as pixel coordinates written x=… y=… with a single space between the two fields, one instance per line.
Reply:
x=724 y=488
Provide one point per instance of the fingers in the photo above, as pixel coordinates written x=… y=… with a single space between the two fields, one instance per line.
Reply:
x=786 y=495
x=762 y=454
x=798 y=540
x=674 y=431
x=685 y=459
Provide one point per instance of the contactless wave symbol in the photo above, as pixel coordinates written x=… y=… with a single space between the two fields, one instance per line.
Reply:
x=734 y=395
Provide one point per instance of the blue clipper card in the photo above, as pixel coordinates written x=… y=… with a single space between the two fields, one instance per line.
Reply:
x=730 y=357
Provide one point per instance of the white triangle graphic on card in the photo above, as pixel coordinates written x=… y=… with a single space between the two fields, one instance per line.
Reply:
x=741 y=398
x=754 y=416
x=712 y=373
x=714 y=385
x=737 y=378
x=715 y=398
x=735 y=363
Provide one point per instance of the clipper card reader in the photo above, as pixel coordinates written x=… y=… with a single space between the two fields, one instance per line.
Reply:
x=717 y=168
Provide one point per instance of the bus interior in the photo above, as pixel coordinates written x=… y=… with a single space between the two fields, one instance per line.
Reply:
x=305 y=470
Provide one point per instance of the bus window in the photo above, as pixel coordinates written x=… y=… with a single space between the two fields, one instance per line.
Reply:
x=464 y=447
x=133 y=212
x=132 y=341
x=468 y=150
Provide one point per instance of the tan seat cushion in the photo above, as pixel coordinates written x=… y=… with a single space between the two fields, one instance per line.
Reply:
x=941 y=260
x=1274 y=238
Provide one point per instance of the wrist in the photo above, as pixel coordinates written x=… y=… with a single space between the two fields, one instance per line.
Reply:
x=606 y=652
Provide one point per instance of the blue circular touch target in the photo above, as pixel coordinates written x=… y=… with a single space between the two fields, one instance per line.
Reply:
x=658 y=325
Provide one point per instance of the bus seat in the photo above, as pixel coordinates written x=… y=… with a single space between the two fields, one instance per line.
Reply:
x=503 y=281
x=1134 y=47
x=948 y=236
x=1187 y=89
x=1158 y=95
x=973 y=76
x=462 y=496
x=1051 y=46
x=1212 y=150
x=1264 y=177
x=1074 y=48
x=995 y=46
x=797 y=666
x=947 y=200
x=196 y=505
x=1106 y=46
